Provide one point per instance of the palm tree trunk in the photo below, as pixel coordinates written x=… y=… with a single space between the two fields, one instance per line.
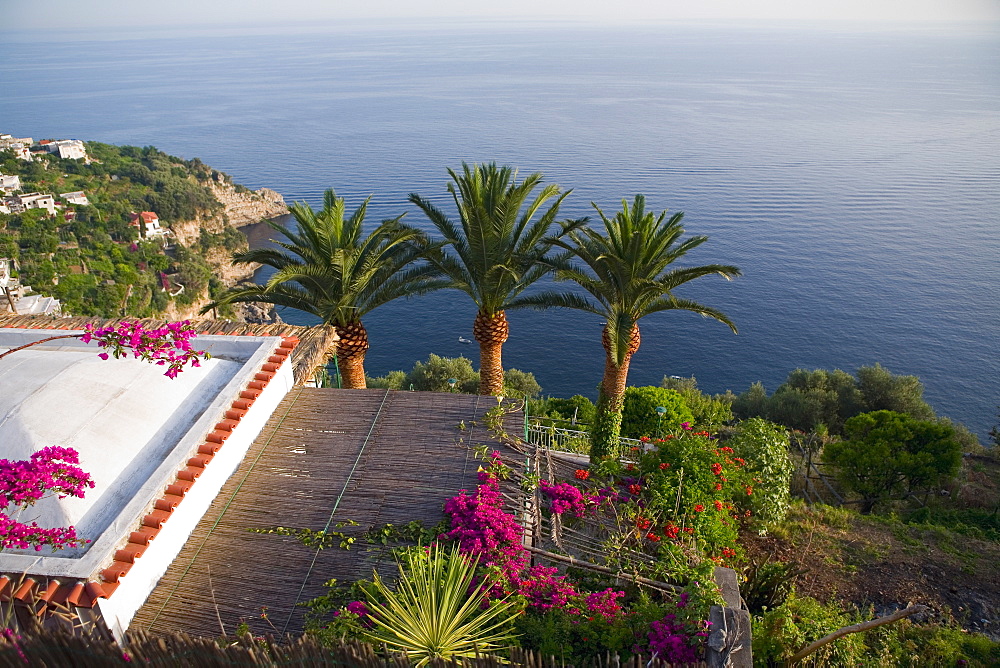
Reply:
x=351 y=351
x=491 y=331
x=611 y=398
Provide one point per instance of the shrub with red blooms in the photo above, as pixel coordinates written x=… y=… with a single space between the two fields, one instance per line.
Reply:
x=51 y=470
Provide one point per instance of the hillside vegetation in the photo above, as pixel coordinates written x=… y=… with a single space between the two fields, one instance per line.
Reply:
x=94 y=261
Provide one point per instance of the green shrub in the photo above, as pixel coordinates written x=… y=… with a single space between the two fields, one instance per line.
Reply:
x=433 y=375
x=394 y=380
x=885 y=391
x=709 y=412
x=520 y=384
x=780 y=633
x=578 y=406
x=640 y=417
x=929 y=646
x=809 y=399
x=764 y=446
x=887 y=453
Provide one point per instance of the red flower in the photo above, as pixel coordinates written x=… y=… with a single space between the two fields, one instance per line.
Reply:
x=688 y=530
x=664 y=466
x=635 y=489
x=749 y=491
x=726 y=449
x=642 y=523
x=699 y=508
x=718 y=486
x=582 y=474
x=630 y=467
x=718 y=505
x=653 y=537
x=717 y=468
x=671 y=530
x=644 y=439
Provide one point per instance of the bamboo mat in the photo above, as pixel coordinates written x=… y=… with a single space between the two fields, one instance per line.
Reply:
x=372 y=456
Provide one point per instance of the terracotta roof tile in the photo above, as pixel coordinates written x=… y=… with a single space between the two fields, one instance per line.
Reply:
x=95 y=591
x=143 y=536
x=130 y=552
x=116 y=570
x=75 y=594
x=26 y=589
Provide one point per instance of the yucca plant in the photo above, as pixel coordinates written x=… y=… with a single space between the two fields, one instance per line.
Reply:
x=436 y=610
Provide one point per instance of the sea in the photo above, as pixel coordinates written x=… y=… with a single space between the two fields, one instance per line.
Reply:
x=851 y=171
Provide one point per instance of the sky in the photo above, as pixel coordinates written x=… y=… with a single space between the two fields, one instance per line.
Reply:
x=68 y=14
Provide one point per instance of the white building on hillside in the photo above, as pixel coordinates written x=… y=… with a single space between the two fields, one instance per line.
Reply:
x=77 y=197
x=10 y=183
x=72 y=149
x=148 y=223
x=9 y=141
x=39 y=201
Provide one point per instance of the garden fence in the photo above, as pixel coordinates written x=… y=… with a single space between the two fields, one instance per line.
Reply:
x=544 y=433
x=57 y=649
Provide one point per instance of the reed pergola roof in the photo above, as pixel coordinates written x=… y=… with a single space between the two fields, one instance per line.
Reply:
x=326 y=456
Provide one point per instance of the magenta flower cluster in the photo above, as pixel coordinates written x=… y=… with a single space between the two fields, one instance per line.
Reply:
x=358 y=608
x=51 y=470
x=483 y=529
x=167 y=346
x=605 y=603
x=675 y=641
x=543 y=588
x=567 y=498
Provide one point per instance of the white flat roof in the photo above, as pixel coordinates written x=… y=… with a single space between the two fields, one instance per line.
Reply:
x=133 y=427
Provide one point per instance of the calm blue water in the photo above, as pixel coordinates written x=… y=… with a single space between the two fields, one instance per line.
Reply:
x=853 y=176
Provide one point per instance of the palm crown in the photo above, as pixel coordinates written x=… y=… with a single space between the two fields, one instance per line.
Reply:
x=496 y=250
x=493 y=253
x=630 y=274
x=329 y=269
x=627 y=273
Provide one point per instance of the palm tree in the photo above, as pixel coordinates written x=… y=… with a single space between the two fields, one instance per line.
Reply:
x=496 y=251
x=628 y=276
x=328 y=269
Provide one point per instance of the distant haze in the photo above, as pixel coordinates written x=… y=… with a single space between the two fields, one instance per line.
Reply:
x=70 y=14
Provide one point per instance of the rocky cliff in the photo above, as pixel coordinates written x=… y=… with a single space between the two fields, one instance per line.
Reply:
x=240 y=207
x=246 y=207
